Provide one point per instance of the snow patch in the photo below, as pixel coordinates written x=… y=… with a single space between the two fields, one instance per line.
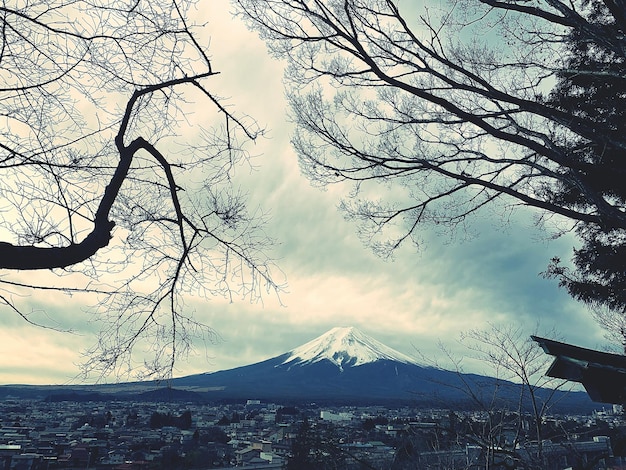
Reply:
x=345 y=346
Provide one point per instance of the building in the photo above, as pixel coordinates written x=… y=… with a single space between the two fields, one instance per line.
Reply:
x=602 y=374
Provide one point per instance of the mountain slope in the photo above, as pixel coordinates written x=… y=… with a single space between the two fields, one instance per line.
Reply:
x=320 y=380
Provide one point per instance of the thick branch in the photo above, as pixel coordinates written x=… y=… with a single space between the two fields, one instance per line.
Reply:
x=33 y=257
x=29 y=257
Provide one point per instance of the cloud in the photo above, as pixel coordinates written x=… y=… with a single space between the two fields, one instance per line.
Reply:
x=38 y=356
x=457 y=281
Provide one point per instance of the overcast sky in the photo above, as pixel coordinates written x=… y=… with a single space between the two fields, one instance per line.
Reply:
x=488 y=274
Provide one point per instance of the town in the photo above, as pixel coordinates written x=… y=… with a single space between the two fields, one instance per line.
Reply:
x=126 y=435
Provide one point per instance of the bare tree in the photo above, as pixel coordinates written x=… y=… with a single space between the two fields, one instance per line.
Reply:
x=108 y=187
x=454 y=109
x=515 y=357
x=507 y=421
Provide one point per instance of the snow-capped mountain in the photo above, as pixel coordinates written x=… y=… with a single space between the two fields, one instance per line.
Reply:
x=343 y=364
x=345 y=346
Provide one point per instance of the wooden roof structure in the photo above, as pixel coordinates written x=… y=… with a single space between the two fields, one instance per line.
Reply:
x=602 y=374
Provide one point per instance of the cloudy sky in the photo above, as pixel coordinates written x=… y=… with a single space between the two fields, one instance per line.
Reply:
x=490 y=273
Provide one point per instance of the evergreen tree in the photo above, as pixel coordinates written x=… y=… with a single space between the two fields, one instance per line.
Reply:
x=592 y=86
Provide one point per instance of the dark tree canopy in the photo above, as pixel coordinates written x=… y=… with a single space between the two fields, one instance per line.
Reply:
x=454 y=108
x=592 y=86
x=116 y=161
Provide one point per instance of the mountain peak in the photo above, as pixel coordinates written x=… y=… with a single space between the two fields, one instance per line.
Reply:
x=345 y=346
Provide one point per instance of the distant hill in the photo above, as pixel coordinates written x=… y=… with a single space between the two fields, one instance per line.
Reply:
x=341 y=366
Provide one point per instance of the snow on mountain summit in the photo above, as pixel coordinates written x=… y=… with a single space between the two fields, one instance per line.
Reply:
x=345 y=346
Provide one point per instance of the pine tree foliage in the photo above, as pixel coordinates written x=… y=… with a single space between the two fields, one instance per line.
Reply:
x=592 y=86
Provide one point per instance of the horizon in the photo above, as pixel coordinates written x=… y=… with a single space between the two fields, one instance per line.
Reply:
x=309 y=355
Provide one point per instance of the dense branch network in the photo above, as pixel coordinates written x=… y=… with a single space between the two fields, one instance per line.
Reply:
x=459 y=108
x=96 y=188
